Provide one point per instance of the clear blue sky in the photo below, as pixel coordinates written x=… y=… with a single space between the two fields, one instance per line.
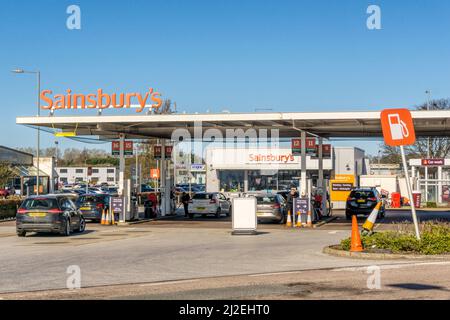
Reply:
x=224 y=54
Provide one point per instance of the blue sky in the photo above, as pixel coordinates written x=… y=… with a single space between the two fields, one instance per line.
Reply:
x=224 y=54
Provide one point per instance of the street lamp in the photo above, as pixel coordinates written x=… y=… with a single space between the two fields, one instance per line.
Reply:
x=38 y=74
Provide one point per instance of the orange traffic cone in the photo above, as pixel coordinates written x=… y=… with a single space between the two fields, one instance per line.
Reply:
x=299 y=220
x=103 y=217
x=113 y=222
x=356 y=245
x=289 y=220
x=309 y=220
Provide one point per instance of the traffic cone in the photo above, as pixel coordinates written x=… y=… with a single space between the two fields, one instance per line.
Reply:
x=108 y=217
x=103 y=217
x=113 y=222
x=356 y=245
x=371 y=219
x=309 y=220
x=299 y=220
x=289 y=220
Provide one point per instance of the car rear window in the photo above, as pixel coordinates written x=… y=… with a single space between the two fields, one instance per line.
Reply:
x=362 y=194
x=203 y=196
x=265 y=199
x=84 y=199
x=40 y=203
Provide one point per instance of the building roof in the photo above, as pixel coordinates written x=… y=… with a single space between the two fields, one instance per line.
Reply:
x=325 y=124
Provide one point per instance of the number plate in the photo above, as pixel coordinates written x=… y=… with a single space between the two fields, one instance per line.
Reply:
x=201 y=208
x=85 y=208
x=38 y=214
x=361 y=201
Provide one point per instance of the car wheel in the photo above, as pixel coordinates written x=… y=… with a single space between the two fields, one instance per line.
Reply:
x=348 y=216
x=21 y=233
x=66 y=230
x=283 y=219
x=229 y=212
x=218 y=212
x=82 y=225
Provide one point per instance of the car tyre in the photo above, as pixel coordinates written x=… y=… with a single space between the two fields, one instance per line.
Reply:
x=218 y=212
x=283 y=219
x=21 y=233
x=66 y=231
x=82 y=226
x=348 y=216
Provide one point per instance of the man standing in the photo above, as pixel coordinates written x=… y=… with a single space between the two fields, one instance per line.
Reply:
x=185 y=200
x=290 y=199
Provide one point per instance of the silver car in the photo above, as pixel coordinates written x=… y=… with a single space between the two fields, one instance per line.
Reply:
x=270 y=208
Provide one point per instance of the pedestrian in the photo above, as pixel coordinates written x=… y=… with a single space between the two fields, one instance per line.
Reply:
x=290 y=199
x=185 y=198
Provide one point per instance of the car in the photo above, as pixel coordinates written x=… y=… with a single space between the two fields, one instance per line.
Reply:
x=205 y=203
x=92 y=205
x=270 y=207
x=50 y=213
x=4 y=193
x=362 y=201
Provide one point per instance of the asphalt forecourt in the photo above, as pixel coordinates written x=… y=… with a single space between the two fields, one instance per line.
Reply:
x=418 y=280
x=130 y=255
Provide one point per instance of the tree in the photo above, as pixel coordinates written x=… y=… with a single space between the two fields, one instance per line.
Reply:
x=439 y=146
x=6 y=174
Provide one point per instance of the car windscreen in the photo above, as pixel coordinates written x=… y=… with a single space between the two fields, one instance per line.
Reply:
x=359 y=194
x=203 y=196
x=265 y=199
x=40 y=204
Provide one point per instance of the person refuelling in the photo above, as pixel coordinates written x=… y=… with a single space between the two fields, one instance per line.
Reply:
x=185 y=198
x=290 y=199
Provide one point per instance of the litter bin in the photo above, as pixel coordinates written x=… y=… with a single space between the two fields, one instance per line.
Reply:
x=417 y=198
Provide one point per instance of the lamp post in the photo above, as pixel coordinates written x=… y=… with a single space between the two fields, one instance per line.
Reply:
x=38 y=74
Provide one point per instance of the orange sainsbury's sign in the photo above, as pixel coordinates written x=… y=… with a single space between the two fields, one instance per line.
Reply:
x=100 y=100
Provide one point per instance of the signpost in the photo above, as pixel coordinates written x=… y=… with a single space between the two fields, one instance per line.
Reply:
x=398 y=131
x=117 y=206
x=127 y=149
x=301 y=205
x=311 y=148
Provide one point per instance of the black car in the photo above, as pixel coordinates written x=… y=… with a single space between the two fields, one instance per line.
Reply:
x=362 y=201
x=49 y=213
x=92 y=205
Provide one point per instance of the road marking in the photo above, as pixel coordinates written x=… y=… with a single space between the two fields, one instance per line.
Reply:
x=333 y=232
x=392 y=266
x=274 y=273
x=167 y=282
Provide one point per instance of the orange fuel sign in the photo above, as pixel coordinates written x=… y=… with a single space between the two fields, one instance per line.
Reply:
x=398 y=127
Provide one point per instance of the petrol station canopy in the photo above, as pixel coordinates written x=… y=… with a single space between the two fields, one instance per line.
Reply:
x=323 y=124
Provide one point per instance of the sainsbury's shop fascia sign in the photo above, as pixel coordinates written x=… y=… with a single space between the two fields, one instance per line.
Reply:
x=100 y=100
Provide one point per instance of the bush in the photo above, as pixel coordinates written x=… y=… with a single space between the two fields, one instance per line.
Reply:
x=431 y=205
x=8 y=207
x=435 y=240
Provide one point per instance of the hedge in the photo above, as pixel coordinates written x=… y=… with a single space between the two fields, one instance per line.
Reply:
x=435 y=239
x=8 y=207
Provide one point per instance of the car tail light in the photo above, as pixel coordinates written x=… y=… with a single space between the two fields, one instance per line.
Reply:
x=190 y=201
x=100 y=206
x=212 y=201
x=21 y=211
x=56 y=211
x=276 y=206
x=372 y=199
x=350 y=199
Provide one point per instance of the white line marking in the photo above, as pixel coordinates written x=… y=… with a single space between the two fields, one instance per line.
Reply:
x=167 y=282
x=394 y=266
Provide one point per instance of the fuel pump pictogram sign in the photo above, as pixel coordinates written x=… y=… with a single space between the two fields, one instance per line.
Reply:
x=398 y=127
